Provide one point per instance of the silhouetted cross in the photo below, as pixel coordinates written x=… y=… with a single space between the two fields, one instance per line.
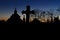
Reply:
x=27 y=12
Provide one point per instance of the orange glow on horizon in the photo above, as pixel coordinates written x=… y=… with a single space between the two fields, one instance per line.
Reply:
x=4 y=18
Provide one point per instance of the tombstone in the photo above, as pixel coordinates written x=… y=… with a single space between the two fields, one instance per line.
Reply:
x=23 y=18
x=27 y=12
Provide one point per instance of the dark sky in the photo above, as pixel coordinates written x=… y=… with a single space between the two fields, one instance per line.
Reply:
x=7 y=6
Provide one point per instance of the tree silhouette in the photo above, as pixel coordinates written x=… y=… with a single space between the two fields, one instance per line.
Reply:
x=15 y=18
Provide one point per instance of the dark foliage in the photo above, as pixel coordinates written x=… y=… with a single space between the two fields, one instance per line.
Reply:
x=15 y=25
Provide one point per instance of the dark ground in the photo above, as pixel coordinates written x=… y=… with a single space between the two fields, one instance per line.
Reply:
x=33 y=27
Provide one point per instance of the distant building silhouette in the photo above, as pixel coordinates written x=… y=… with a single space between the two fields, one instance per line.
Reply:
x=2 y=21
x=27 y=12
x=15 y=18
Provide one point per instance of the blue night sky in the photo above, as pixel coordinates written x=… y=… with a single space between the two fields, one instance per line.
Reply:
x=7 y=6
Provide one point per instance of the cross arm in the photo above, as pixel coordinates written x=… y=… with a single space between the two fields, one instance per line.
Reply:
x=23 y=12
x=33 y=12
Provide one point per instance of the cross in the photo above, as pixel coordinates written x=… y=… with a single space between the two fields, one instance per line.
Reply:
x=27 y=12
